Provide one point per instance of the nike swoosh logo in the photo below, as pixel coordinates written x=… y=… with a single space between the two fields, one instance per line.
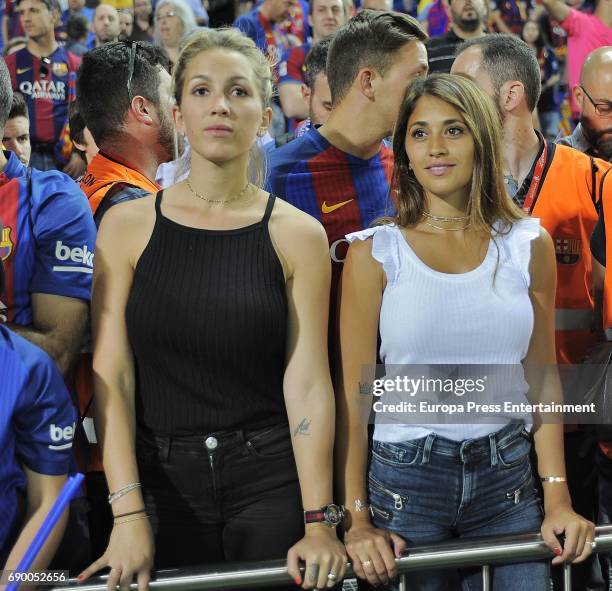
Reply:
x=22 y=70
x=331 y=208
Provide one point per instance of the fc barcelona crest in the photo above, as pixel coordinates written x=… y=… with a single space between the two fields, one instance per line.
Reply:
x=568 y=250
x=6 y=244
x=60 y=69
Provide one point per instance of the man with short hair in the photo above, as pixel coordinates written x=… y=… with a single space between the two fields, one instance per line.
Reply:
x=325 y=17
x=143 y=21
x=132 y=126
x=16 y=136
x=44 y=74
x=593 y=134
x=76 y=7
x=315 y=92
x=105 y=25
x=468 y=20
x=126 y=24
x=585 y=32
x=559 y=185
x=339 y=173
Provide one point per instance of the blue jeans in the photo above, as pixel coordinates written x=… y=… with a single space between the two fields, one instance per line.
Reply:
x=433 y=489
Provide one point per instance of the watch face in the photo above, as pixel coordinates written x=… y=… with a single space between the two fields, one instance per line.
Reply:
x=333 y=514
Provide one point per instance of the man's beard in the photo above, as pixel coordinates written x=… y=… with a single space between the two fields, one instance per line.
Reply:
x=468 y=25
x=600 y=140
x=166 y=136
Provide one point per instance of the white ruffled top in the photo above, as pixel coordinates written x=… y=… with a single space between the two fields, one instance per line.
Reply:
x=428 y=318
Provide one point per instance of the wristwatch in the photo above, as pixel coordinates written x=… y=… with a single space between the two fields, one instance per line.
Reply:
x=331 y=515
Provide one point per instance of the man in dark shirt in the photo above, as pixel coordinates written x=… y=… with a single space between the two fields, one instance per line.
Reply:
x=468 y=20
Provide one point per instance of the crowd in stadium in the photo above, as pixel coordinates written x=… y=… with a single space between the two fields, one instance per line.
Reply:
x=217 y=217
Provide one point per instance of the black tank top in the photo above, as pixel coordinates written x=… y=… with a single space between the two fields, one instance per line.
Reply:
x=207 y=321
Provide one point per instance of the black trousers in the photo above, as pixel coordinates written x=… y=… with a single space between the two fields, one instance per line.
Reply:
x=228 y=496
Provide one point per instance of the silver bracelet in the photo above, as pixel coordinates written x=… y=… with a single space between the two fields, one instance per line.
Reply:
x=553 y=479
x=361 y=506
x=122 y=491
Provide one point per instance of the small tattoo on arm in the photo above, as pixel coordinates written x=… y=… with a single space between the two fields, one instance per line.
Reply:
x=302 y=428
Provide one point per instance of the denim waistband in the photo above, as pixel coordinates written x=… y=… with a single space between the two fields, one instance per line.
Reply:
x=222 y=439
x=464 y=451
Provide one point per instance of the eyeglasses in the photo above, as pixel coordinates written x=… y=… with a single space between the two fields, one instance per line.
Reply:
x=162 y=17
x=603 y=109
x=133 y=48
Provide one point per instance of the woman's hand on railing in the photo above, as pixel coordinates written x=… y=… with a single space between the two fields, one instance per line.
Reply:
x=324 y=555
x=579 y=534
x=372 y=552
x=130 y=552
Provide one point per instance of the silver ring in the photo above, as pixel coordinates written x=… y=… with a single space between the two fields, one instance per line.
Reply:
x=332 y=576
x=367 y=563
x=592 y=544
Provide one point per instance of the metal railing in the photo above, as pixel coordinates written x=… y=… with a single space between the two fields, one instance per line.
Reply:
x=484 y=552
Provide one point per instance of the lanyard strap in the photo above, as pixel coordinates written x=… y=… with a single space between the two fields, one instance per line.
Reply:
x=536 y=179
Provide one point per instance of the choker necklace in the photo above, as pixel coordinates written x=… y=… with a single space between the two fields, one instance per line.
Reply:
x=218 y=201
x=441 y=218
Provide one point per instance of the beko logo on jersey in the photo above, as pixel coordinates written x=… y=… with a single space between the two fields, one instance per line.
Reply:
x=76 y=254
x=44 y=89
x=61 y=436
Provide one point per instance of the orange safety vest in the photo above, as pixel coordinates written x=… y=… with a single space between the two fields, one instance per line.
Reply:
x=104 y=172
x=566 y=209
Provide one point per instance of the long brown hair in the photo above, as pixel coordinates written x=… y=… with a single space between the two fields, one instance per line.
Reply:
x=489 y=201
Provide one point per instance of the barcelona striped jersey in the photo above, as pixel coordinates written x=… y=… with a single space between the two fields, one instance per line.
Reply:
x=343 y=192
x=48 y=85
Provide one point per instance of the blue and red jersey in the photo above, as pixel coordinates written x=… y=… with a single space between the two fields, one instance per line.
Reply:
x=343 y=192
x=48 y=86
x=14 y=26
x=48 y=238
x=291 y=67
x=37 y=424
x=275 y=38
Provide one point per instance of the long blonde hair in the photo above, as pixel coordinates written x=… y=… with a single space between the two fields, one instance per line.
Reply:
x=489 y=201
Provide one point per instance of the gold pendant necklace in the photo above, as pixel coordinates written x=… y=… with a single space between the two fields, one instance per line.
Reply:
x=218 y=201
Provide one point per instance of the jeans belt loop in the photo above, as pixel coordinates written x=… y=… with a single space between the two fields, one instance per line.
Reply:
x=493 y=446
x=427 y=448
